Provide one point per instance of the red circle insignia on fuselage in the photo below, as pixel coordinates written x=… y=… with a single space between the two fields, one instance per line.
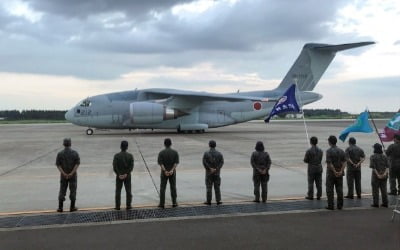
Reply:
x=256 y=106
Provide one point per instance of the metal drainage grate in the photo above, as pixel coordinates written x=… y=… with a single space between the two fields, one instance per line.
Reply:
x=154 y=213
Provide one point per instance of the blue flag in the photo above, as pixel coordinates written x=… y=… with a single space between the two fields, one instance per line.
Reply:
x=287 y=103
x=361 y=125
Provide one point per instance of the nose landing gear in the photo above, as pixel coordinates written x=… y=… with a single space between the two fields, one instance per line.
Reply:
x=89 y=131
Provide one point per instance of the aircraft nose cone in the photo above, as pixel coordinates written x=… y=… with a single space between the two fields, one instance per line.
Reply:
x=68 y=115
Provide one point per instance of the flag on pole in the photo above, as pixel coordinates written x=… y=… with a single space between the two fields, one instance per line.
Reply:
x=392 y=128
x=361 y=125
x=287 y=103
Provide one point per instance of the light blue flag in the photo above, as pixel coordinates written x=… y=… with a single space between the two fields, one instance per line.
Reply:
x=361 y=125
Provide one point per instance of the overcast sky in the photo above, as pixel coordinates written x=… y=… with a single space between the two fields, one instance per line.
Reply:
x=55 y=52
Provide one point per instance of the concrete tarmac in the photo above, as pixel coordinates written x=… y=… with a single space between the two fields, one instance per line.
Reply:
x=29 y=180
x=348 y=229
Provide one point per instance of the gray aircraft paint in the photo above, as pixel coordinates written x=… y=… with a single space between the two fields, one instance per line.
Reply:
x=198 y=111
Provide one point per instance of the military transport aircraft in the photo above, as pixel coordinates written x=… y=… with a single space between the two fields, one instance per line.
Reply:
x=191 y=111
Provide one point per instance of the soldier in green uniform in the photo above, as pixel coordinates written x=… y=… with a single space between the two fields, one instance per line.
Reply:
x=123 y=166
x=380 y=166
x=393 y=152
x=67 y=162
x=168 y=159
x=336 y=162
x=261 y=163
x=213 y=162
x=313 y=157
x=354 y=157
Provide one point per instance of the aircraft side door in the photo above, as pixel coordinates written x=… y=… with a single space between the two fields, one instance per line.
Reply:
x=220 y=116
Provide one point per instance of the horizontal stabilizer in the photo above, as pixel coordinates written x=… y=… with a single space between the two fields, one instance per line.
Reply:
x=341 y=47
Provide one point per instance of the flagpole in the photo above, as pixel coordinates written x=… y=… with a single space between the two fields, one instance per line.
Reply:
x=376 y=130
x=302 y=112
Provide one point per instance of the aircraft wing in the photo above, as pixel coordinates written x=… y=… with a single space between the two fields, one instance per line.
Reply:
x=201 y=96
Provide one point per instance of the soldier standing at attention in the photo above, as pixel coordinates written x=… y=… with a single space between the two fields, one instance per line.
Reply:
x=67 y=163
x=393 y=152
x=168 y=159
x=354 y=157
x=380 y=168
x=261 y=163
x=213 y=162
x=335 y=160
x=313 y=157
x=123 y=166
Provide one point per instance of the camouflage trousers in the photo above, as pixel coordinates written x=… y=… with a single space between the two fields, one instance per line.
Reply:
x=353 y=177
x=213 y=180
x=172 y=186
x=379 y=184
x=337 y=183
x=394 y=174
x=260 y=180
x=128 y=189
x=317 y=178
x=64 y=183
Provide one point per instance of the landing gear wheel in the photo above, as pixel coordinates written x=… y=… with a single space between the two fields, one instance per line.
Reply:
x=89 y=131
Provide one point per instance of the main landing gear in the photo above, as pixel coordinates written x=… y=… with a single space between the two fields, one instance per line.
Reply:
x=89 y=131
x=198 y=131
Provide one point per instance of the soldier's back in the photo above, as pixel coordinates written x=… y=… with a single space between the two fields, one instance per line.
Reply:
x=393 y=152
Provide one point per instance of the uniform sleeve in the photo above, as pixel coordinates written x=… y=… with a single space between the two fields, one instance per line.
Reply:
x=386 y=162
x=268 y=161
x=221 y=162
x=328 y=157
x=389 y=150
x=77 y=159
x=115 y=164
x=131 y=162
x=176 y=158
x=307 y=157
x=343 y=156
x=371 y=162
x=320 y=155
x=160 y=159
x=58 y=160
x=205 y=162
x=362 y=154
x=252 y=160
x=347 y=153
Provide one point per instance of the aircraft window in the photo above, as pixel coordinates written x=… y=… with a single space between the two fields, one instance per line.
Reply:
x=86 y=103
x=123 y=96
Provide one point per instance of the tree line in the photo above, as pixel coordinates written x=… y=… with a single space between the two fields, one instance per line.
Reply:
x=15 y=115
x=338 y=114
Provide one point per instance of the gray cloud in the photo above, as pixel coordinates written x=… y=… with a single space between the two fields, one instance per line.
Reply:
x=135 y=9
x=102 y=39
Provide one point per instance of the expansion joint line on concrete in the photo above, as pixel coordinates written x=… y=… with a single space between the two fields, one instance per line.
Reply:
x=148 y=170
x=31 y=161
x=287 y=168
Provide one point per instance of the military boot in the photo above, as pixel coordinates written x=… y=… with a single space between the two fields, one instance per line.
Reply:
x=72 y=207
x=60 y=207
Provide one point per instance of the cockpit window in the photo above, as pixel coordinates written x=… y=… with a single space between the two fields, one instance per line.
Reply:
x=86 y=103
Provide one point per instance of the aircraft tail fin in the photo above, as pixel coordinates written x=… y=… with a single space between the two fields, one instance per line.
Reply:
x=312 y=62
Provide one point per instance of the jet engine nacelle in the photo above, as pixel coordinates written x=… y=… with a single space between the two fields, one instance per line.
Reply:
x=149 y=112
